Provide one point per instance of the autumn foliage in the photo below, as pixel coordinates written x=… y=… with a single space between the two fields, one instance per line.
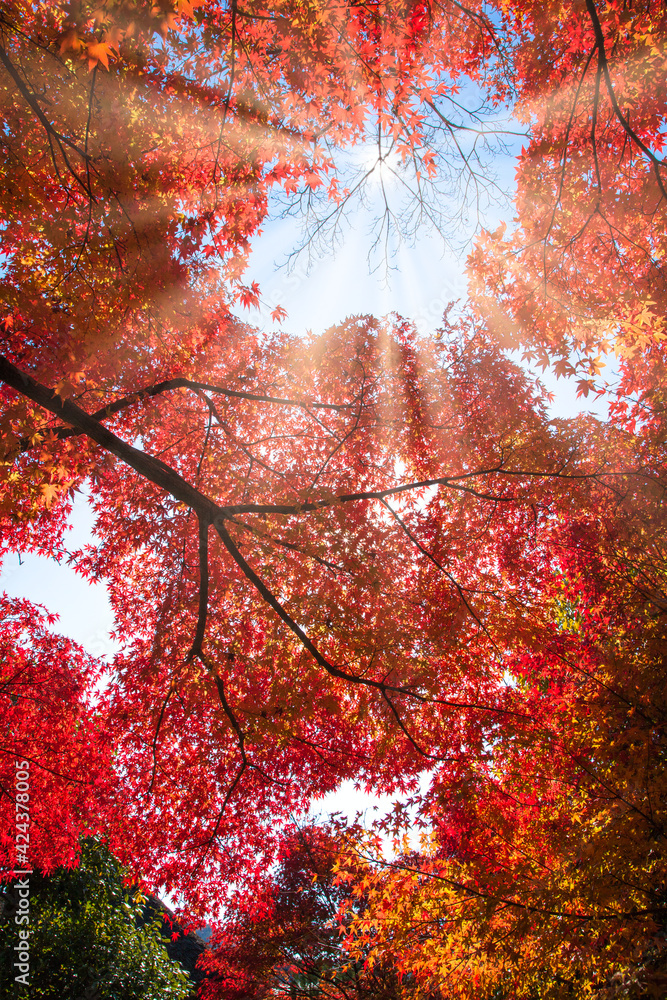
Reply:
x=363 y=553
x=285 y=941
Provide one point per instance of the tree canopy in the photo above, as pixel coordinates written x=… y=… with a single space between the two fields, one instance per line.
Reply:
x=363 y=553
x=286 y=942
x=89 y=937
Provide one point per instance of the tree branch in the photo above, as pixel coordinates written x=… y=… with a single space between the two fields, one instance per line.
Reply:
x=196 y=648
x=602 y=57
x=331 y=668
x=110 y=409
x=151 y=468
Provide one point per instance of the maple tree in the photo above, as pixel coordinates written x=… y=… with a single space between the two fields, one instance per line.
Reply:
x=365 y=554
x=581 y=274
x=48 y=729
x=218 y=649
x=139 y=144
x=136 y=166
x=285 y=941
x=541 y=869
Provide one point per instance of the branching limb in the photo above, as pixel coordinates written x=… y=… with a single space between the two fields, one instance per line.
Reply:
x=602 y=57
x=208 y=843
x=110 y=409
x=266 y=536
x=151 y=468
x=411 y=740
x=380 y=686
x=429 y=555
x=52 y=133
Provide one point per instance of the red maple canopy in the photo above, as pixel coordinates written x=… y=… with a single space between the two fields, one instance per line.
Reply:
x=364 y=554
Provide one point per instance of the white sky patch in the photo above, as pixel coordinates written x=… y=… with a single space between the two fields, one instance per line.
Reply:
x=83 y=608
x=355 y=804
x=382 y=166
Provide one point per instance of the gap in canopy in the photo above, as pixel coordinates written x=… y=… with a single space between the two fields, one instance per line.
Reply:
x=82 y=606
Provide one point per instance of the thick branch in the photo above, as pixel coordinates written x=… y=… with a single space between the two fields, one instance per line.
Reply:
x=151 y=468
x=456 y=482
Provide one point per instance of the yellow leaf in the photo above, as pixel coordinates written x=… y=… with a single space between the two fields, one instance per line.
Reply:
x=50 y=493
x=99 y=52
